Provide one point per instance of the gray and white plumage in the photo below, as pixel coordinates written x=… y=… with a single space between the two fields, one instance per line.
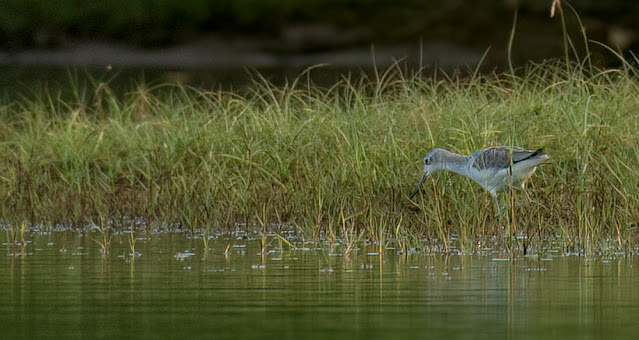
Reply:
x=494 y=168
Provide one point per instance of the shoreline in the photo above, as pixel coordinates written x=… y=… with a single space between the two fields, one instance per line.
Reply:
x=223 y=53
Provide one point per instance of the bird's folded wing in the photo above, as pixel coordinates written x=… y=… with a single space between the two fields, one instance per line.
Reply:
x=500 y=157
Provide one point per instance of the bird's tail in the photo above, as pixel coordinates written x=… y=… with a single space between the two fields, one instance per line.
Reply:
x=537 y=153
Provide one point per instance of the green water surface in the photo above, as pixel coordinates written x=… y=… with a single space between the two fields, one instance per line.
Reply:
x=60 y=285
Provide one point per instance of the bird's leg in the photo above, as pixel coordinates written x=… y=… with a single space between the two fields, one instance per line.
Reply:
x=495 y=201
x=498 y=210
x=527 y=196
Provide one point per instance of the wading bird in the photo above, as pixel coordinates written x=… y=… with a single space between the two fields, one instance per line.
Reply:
x=494 y=168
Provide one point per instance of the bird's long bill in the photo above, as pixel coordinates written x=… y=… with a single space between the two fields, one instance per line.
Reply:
x=419 y=184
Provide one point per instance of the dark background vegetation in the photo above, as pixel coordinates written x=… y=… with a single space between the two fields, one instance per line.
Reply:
x=310 y=26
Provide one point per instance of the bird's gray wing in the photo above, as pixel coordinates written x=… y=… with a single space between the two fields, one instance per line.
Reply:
x=500 y=157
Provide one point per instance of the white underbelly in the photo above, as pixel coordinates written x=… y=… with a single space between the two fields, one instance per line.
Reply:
x=498 y=180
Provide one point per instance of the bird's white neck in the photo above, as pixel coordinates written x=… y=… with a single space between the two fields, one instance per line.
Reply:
x=455 y=163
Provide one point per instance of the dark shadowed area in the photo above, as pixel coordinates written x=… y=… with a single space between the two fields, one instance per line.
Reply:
x=210 y=43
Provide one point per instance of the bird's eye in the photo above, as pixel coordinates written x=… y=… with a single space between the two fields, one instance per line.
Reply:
x=427 y=161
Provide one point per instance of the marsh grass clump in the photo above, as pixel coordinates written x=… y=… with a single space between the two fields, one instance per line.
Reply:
x=336 y=163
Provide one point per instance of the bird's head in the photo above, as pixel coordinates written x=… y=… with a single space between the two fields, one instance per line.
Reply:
x=433 y=161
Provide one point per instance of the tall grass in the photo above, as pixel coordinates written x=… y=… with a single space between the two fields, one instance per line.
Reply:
x=334 y=163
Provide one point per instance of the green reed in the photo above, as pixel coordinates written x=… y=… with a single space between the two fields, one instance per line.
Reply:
x=334 y=163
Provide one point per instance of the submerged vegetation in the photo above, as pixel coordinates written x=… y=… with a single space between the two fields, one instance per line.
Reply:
x=332 y=163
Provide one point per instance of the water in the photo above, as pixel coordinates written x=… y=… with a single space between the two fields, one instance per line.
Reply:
x=60 y=285
x=30 y=81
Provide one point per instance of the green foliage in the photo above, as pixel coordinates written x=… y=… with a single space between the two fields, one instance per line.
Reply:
x=335 y=163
